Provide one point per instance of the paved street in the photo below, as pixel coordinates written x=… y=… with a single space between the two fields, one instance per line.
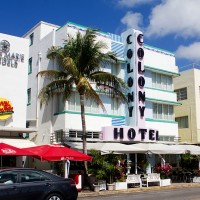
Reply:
x=172 y=194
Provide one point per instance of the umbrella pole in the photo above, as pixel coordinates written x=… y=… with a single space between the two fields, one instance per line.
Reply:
x=67 y=165
x=1 y=162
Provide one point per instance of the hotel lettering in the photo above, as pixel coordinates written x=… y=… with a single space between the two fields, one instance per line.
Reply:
x=136 y=129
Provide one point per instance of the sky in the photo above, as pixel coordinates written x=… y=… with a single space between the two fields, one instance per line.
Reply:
x=173 y=25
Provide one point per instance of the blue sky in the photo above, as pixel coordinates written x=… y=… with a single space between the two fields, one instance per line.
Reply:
x=173 y=25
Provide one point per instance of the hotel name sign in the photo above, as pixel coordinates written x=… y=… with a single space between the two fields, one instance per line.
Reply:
x=7 y=58
x=136 y=129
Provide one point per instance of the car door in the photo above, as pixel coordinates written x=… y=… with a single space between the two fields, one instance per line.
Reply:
x=9 y=186
x=34 y=185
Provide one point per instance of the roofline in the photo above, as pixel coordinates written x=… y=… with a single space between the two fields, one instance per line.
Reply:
x=38 y=24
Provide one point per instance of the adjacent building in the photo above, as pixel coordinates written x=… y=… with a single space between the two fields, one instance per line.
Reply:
x=187 y=87
x=14 y=54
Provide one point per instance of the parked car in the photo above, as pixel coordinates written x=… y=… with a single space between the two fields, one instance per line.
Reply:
x=33 y=184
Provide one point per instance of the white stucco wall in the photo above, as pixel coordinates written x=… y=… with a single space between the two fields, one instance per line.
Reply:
x=160 y=60
x=14 y=81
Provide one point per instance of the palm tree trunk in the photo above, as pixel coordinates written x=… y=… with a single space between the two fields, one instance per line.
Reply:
x=82 y=97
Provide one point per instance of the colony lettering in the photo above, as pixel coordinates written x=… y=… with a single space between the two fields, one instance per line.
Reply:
x=137 y=74
x=136 y=128
x=9 y=59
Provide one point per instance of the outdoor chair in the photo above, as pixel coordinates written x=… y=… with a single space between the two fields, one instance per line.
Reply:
x=151 y=178
x=134 y=179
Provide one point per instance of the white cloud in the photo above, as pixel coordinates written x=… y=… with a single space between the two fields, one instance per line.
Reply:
x=132 y=20
x=132 y=3
x=191 y=52
x=178 y=17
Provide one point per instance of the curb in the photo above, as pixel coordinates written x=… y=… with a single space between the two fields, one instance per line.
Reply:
x=132 y=190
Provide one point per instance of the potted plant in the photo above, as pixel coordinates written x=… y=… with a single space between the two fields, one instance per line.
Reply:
x=165 y=171
x=110 y=171
x=120 y=183
x=97 y=171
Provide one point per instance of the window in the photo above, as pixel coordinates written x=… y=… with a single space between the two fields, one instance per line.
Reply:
x=115 y=106
x=161 y=81
x=182 y=122
x=167 y=138
x=91 y=106
x=30 y=66
x=79 y=134
x=60 y=105
x=115 y=69
x=29 y=96
x=31 y=37
x=8 y=177
x=163 y=111
x=32 y=176
x=59 y=136
x=74 y=104
x=181 y=94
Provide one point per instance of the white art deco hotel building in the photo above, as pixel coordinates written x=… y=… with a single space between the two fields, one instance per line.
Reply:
x=148 y=71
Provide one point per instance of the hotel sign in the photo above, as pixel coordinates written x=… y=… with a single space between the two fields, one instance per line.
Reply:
x=7 y=58
x=135 y=129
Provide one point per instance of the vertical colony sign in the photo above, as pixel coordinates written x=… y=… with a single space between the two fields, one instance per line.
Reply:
x=135 y=129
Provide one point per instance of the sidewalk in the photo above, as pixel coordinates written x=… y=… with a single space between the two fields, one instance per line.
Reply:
x=86 y=193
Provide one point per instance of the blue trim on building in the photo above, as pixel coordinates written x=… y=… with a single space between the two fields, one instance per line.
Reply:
x=118 y=49
x=118 y=122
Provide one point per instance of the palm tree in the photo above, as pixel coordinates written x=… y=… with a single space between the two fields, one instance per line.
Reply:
x=80 y=63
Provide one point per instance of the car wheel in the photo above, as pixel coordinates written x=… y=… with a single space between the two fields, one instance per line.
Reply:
x=54 y=196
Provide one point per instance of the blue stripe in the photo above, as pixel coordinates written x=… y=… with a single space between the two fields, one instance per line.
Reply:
x=118 y=122
x=118 y=49
x=116 y=38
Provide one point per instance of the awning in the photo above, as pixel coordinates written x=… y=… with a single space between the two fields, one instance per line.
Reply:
x=20 y=143
x=109 y=147
x=158 y=148
x=17 y=129
x=192 y=149
x=154 y=148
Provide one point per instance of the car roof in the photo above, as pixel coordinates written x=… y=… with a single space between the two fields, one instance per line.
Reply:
x=13 y=169
x=54 y=176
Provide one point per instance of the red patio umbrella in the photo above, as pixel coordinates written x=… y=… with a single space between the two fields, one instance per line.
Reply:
x=9 y=150
x=57 y=152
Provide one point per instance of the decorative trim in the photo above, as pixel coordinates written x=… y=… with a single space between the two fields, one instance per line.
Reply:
x=61 y=27
x=170 y=91
x=161 y=70
x=160 y=120
x=90 y=114
x=163 y=101
x=83 y=28
x=158 y=50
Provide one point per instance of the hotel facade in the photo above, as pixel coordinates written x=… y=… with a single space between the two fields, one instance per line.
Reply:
x=149 y=74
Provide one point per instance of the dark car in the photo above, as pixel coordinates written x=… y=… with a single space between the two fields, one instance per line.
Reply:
x=33 y=184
